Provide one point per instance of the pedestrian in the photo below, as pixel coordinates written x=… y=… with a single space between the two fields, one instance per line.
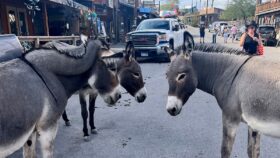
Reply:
x=233 y=32
x=215 y=35
x=202 y=32
x=250 y=40
x=226 y=34
x=222 y=30
x=278 y=37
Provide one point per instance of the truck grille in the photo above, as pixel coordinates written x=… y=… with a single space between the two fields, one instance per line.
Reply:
x=144 y=40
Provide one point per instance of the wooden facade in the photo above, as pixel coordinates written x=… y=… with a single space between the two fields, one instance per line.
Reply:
x=14 y=18
x=54 y=18
x=268 y=13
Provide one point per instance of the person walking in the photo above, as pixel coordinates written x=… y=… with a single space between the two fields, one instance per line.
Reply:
x=277 y=38
x=214 y=40
x=226 y=34
x=233 y=32
x=250 y=40
x=202 y=32
x=222 y=30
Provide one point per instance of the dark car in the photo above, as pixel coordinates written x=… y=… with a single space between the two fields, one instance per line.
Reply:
x=267 y=34
x=240 y=32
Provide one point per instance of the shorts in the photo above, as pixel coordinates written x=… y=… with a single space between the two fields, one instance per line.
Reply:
x=202 y=34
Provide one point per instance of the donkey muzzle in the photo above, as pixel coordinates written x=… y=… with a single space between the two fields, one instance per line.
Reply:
x=174 y=105
x=141 y=95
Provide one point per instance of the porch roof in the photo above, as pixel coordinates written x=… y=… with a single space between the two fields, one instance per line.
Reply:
x=70 y=3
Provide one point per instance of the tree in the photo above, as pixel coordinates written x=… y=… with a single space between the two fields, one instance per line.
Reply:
x=32 y=7
x=239 y=9
x=170 y=5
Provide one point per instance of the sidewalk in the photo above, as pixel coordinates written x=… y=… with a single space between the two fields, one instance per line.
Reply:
x=118 y=47
x=269 y=52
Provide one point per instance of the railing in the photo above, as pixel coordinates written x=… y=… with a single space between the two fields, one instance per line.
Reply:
x=266 y=7
x=38 y=39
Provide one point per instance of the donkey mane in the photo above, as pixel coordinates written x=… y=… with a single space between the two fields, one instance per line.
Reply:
x=217 y=48
x=64 y=48
x=111 y=61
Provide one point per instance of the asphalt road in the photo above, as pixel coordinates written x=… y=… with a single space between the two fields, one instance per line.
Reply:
x=132 y=130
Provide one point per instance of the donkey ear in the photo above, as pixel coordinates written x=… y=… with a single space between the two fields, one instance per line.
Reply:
x=84 y=38
x=129 y=52
x=170 y=52
x=105 y=43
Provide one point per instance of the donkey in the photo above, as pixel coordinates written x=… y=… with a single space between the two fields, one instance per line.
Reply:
x=35 y=89
x=130 y=76
x=246 y=88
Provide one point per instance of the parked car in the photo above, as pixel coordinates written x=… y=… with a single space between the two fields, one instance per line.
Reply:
x=267 y=34
x=216 y=25
x=152 y=35
x=240 y=32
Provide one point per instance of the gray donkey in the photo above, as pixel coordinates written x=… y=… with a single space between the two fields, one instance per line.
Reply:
x=35 y=89
x=246 y=87
x=130 y=76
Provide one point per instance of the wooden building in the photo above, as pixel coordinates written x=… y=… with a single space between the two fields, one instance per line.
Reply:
x=268 y=13
x=213 y=14
x=56 y=17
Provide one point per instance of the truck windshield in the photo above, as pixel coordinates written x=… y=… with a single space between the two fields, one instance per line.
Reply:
x=156 y=24
x=266 y=29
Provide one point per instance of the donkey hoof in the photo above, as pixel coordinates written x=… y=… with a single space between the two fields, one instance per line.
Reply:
x=94 y=131
x=67 y=123
x=86 y=138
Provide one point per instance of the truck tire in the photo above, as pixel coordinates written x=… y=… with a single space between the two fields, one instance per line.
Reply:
x=171 y=44
x=188 y=39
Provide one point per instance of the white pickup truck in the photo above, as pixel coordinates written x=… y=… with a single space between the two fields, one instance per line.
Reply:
x=152 y=35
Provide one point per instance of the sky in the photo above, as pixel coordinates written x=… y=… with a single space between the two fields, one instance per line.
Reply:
x=217 y=3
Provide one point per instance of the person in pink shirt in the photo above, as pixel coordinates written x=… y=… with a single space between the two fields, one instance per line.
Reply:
x=233 y=32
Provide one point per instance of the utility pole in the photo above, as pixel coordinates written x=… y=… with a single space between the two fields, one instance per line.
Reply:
x=206 y=15
x=116 y=21
x=136 y=6
x=192 y=6
x=159 y=7
x=212 y=5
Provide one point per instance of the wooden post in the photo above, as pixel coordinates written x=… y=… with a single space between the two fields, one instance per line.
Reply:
x=74 y=40
x=37 y=42
x=46 y=19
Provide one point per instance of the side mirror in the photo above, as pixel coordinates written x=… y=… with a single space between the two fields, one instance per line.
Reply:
x=176 y=28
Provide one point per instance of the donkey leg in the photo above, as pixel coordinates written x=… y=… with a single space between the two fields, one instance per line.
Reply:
x=92 y=99
x=46 y=138
x=84 y=114
x=253 y=149
x=29 y=148
x=229 y=131
x=65 y=118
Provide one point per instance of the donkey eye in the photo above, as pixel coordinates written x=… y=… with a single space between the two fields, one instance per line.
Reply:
x=136 y=74
x=181 y=76
x=113 y=69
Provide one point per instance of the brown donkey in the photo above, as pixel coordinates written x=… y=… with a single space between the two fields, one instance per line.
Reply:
x=130 y=76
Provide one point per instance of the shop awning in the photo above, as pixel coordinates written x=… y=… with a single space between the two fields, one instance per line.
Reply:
x=70 y=3
x=146 y=10
x=126 y=3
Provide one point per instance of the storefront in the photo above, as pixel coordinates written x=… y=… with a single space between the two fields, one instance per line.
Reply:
x=14 y=18
x=55 y=17
x=126 y=20
x=270 y=19
x=268 y=13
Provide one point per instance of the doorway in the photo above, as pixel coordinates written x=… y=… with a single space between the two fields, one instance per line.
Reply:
x=17 y=21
